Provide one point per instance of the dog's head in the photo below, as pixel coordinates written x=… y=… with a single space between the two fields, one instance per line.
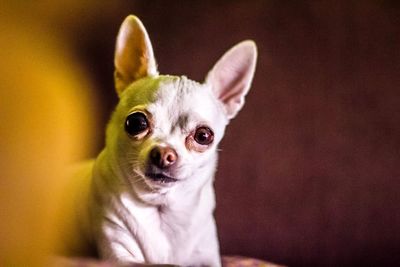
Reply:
x=166 y=129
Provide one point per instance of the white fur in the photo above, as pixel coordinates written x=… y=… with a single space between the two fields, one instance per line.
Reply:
x=135 y=220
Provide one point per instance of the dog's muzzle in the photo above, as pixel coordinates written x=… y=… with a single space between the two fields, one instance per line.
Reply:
x=163 y=157
x=162 y=160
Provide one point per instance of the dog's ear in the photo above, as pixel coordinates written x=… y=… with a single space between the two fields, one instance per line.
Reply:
x=231 y=76
x=134 y=57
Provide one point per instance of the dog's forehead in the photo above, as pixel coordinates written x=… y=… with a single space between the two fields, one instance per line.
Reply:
x=180 y=98
x=183 y=92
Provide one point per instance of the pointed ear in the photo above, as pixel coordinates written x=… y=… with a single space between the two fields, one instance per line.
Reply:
x=134 y=57
x=231 y=76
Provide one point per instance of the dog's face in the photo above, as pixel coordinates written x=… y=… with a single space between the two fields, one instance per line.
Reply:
x=165 y=129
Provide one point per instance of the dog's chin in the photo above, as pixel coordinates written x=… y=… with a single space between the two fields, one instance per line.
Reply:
x=160 y=180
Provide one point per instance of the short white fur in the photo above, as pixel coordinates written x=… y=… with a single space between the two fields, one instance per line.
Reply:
x=133 y=219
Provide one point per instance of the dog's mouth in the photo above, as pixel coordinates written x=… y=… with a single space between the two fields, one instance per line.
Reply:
x=161 y=178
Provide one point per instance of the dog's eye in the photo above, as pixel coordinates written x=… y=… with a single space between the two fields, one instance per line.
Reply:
x=136 y=123
x=204 y=136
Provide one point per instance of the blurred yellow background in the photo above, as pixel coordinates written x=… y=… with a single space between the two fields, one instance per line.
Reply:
x=47 y=113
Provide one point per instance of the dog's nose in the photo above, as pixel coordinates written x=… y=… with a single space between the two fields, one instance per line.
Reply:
x=163 y=157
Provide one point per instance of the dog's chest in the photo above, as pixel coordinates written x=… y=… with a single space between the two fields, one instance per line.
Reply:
x=166 y=235
x=179 y=234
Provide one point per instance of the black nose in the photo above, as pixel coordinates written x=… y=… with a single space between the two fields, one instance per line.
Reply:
x=163 y=157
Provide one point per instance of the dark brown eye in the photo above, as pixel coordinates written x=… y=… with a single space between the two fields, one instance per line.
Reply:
x=204 y=136
x=136 y=123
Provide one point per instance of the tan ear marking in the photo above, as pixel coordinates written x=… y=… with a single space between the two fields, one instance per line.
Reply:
x=134 y=57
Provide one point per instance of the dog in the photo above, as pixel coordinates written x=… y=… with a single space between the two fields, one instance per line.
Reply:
x=151 y=196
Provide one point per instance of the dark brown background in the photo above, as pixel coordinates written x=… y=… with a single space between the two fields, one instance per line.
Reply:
x=309 y=170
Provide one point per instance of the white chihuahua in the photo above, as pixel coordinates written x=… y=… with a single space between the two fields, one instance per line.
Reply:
x=151 y=192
